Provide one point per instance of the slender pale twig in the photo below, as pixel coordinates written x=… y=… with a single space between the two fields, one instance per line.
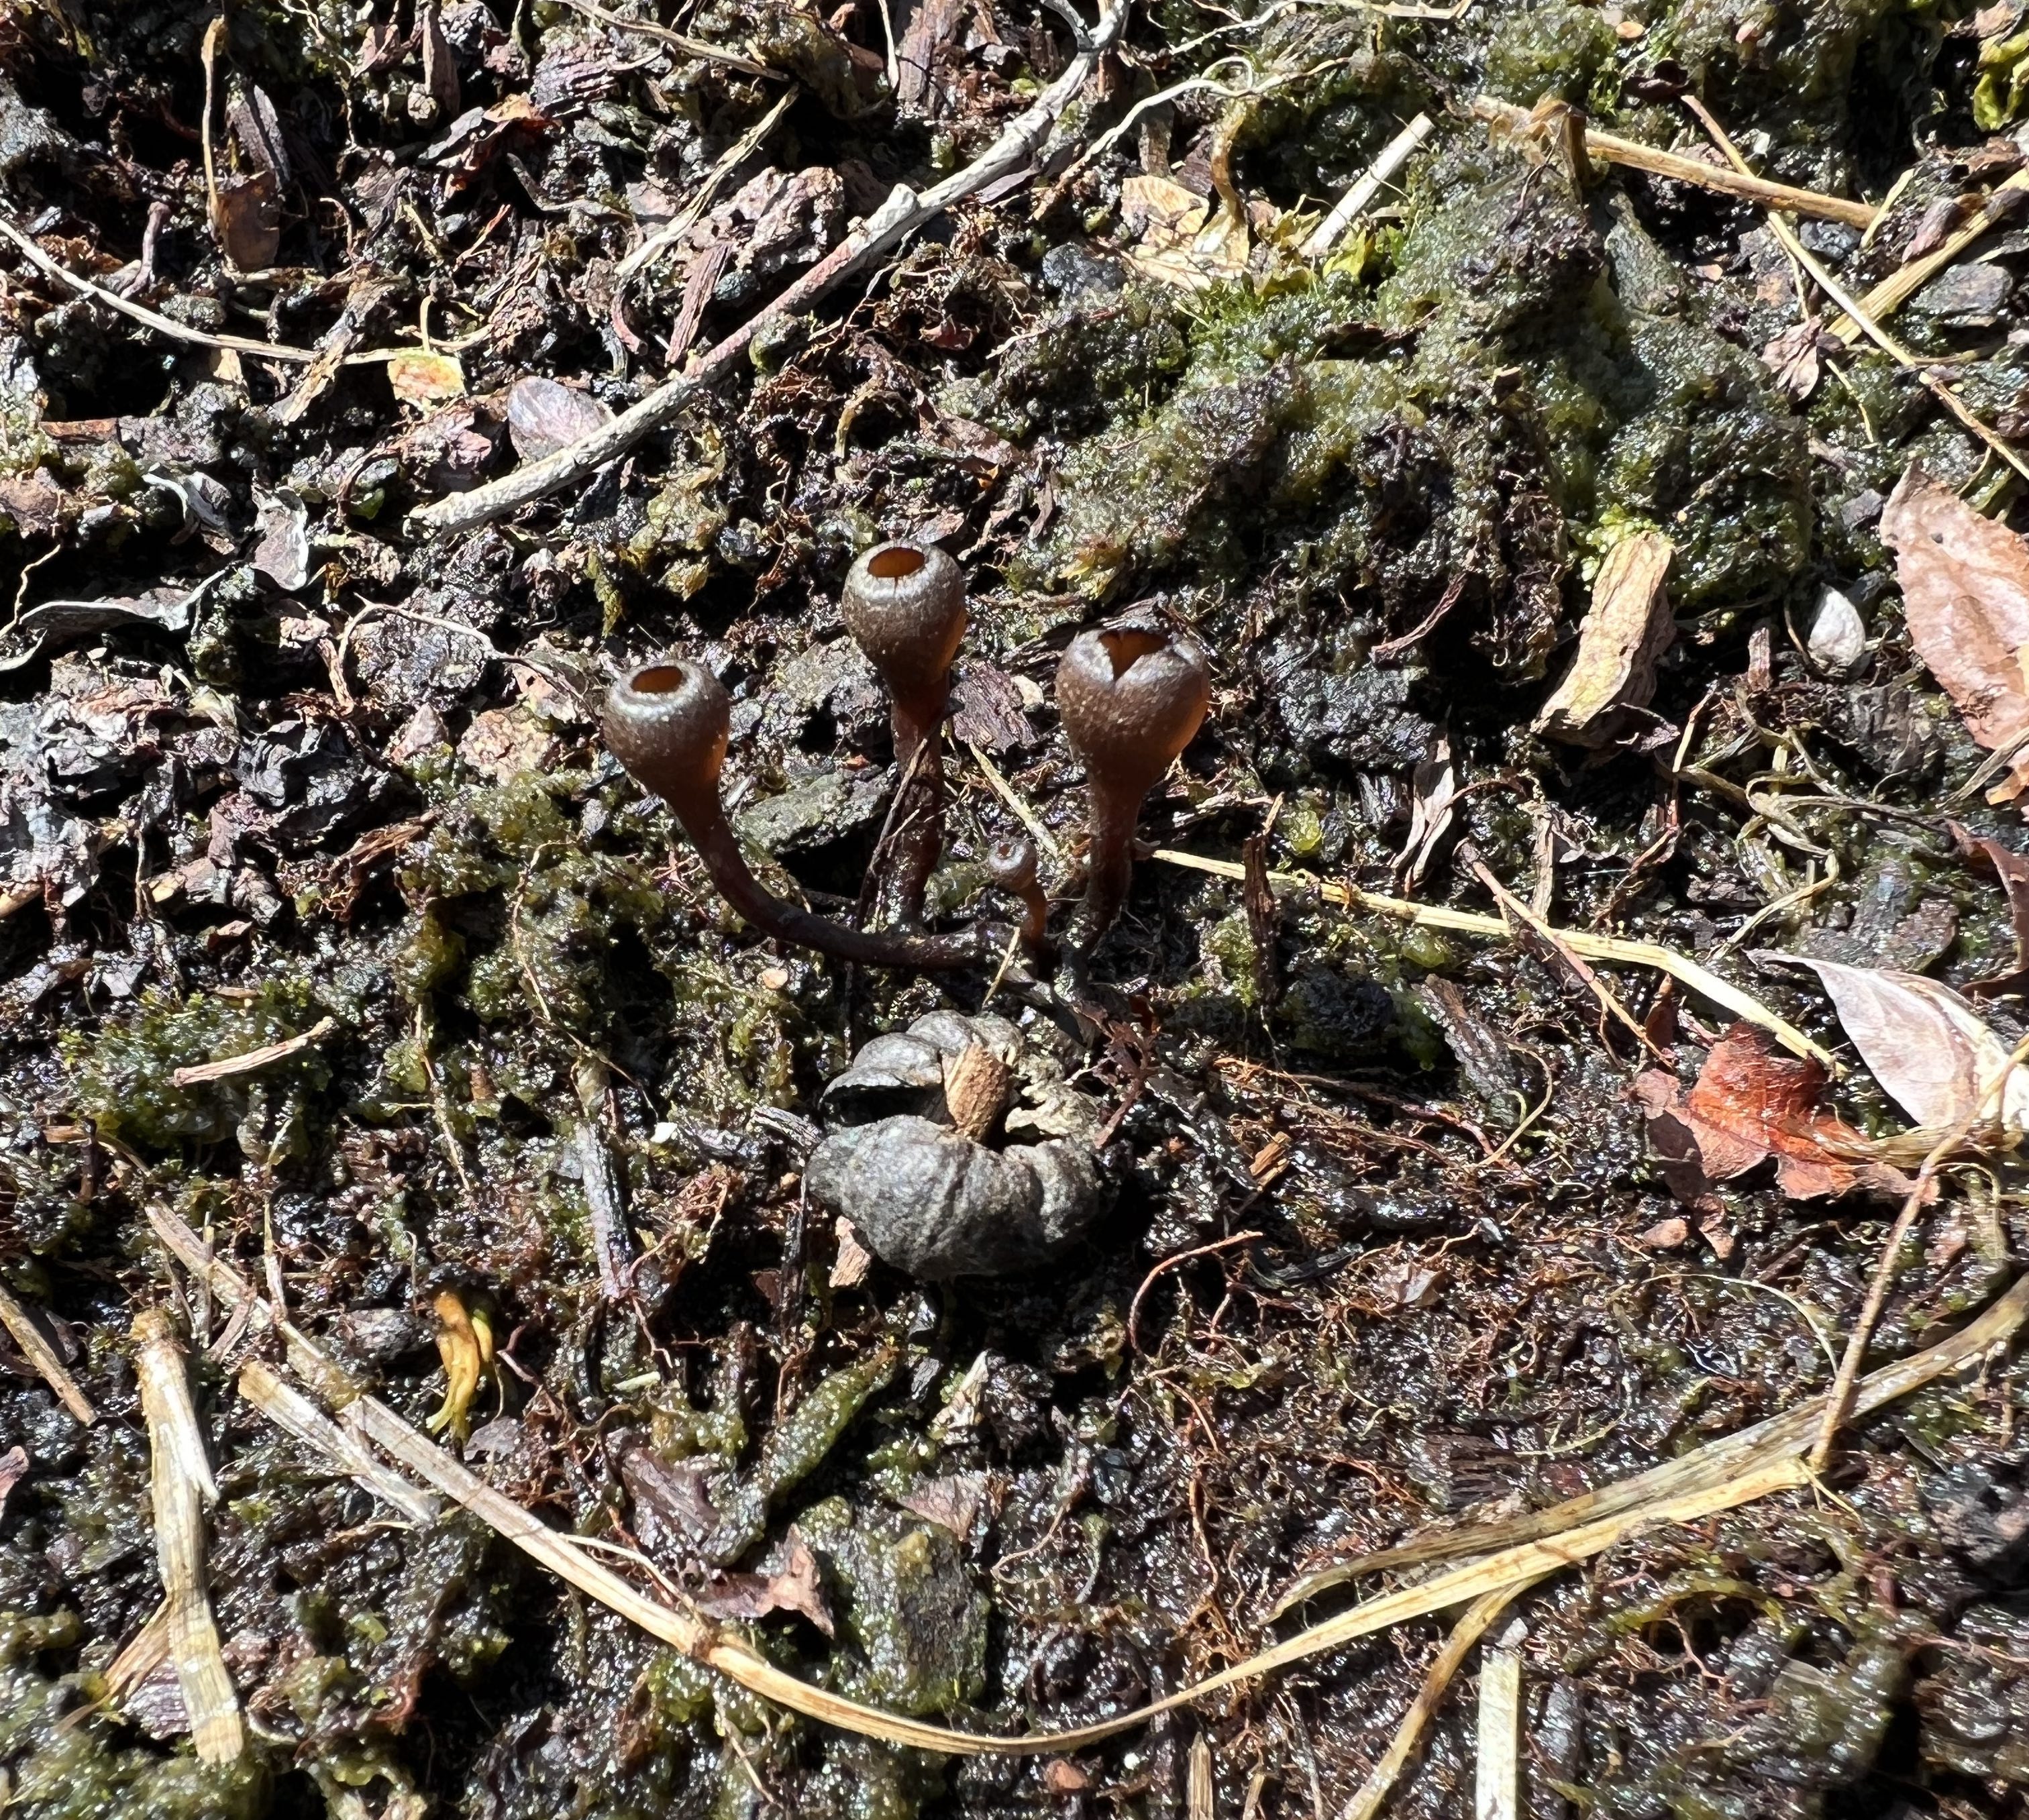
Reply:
x=904 y=211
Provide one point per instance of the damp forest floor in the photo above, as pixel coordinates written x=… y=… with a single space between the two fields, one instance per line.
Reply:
x=1389 y=1247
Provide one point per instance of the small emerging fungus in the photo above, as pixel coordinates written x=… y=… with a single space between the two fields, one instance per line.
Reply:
x=668 y=724
x=1131 y=699
x=904 y=605
x=1011 y=865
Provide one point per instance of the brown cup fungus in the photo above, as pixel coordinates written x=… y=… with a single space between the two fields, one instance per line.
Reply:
x=904 y=605
x=1131 y=699
x=668 y=722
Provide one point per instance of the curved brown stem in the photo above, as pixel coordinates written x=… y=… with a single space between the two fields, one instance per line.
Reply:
x=668 y=724
x=1111 y=815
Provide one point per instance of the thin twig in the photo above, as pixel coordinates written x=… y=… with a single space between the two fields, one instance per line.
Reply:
x=1478 y=1616
x=901 y=213
x=291 y=1410
x=1609 y=149
x=692 y=211
x=1010 y=795
x=1857 y=310
x=1394 y=155
x=21 y=1327
x=175 y=331
x=1594 y=948
x=1554 y=939
x=677 y=40
x=1900 y=285
x=252 y=1061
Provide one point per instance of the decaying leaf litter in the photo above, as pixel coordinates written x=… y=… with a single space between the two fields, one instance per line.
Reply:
x=1583 y=442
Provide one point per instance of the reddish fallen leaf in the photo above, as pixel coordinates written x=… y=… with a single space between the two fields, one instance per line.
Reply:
x=1669 y=1235
x=1965 y=598
x=2013 y=869
x=796 y=1587
x=1749 y=1104
x=14 y=1469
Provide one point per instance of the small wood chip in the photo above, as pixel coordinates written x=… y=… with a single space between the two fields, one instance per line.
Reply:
x=254 y=1059
x=977 y=1085
x=849 y=1270
x=1199 y=1803
x=1498 y=1795
x=1669 y=1235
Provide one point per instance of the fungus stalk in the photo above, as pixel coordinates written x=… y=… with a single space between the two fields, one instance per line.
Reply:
x=1131 y=699
x=904 y=605
x=668 y=724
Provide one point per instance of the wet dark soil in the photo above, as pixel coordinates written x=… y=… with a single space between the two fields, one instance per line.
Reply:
x=1382 y=1246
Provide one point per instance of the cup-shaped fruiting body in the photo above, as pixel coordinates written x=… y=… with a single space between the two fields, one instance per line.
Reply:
x=904 y=605
x=1131 y=698
x=668 y=722
x=1011 y=865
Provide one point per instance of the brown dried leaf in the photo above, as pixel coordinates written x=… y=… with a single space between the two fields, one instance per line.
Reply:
x=1965 y=597
x=1185 y=240
x=246 y=217
x=2013 y=869
x=1628 y=629
x=797 y=1587
x=1793 y=357
x=440 y=67
x=1749 y=1104
x=14 y=1469
x=33 y=501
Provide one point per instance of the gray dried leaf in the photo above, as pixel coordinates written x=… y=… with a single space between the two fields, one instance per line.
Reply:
x=544 y=416
x=1838 y=644
x=282 y=541
x=937 y=1205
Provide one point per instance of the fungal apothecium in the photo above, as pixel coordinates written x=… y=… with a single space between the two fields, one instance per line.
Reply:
x=1131 y=698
